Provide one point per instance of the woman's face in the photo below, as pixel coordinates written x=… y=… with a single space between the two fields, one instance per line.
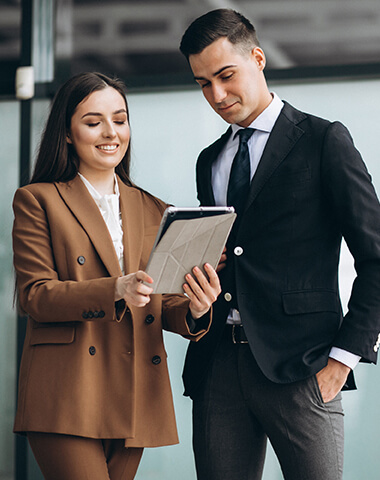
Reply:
x=99 y=131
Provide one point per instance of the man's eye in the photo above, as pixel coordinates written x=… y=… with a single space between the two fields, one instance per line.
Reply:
x=227 y=77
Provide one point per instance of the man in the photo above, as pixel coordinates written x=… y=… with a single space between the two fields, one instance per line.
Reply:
x=279 y=350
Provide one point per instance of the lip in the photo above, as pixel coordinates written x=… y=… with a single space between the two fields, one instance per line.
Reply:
x=108 y=147
x=228 y=107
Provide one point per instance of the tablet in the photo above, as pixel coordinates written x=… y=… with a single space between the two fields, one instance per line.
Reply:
x=186 y=213
x=187 y=237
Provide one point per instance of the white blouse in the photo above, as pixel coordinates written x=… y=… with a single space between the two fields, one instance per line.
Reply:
x=109 y=206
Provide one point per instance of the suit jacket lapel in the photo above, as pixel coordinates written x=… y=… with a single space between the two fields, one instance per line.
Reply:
x=85 y=210
x=284 y=136
x=133 y=226
x=204 y=177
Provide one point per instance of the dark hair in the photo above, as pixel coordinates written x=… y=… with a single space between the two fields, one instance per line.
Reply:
x=216 y=24
x=56 y=159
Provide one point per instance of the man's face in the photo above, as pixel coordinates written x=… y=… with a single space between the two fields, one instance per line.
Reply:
x=232 y=82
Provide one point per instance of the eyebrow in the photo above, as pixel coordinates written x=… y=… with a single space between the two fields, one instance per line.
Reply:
x=97 y=114
x=216 y=73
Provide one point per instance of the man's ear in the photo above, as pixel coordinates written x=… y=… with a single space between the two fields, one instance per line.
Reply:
x=259 y=57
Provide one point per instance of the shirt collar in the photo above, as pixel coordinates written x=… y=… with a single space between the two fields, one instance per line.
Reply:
x=266 y=120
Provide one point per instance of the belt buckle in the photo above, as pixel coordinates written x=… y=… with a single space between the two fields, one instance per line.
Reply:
x=235 y=326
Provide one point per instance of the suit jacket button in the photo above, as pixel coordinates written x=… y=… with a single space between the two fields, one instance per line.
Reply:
x=92 y=350
x=156 y=360
x=96 y=314
x=101 y=314
x=238 y=251
x=81 y=260
x=149 y=319
x=227 y=297
x=90 y=314
x=84 y=315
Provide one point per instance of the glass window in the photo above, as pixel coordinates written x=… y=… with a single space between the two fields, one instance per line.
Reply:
x=9 y=132
x=10 y=43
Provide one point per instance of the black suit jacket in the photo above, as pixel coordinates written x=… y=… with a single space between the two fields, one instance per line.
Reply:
x=311 y=189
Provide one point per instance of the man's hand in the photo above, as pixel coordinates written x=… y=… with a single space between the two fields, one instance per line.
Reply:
x=332 y=378
x=222 y=260
x=202 y=291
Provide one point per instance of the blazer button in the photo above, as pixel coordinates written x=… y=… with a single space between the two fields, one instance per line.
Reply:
x=238 y=251
x=149 y=319
x=156 y=360
x=227 y=297
x=81 y=260
x=92 y=350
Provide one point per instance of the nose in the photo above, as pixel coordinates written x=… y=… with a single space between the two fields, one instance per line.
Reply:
x=219 y=93
x=109 y=130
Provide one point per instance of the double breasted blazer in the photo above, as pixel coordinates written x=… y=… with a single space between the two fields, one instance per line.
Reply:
x=91 y=367
x=311 y=189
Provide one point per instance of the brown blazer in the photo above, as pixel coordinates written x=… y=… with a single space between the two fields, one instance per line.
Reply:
x=91 y=367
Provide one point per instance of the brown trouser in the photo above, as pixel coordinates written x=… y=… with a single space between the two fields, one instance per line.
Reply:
x=66 y=457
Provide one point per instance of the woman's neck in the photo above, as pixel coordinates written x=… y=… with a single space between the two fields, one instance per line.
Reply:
x=104 y=182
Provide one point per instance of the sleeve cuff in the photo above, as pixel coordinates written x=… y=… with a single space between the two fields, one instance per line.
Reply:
x=195 y=326
x=347 y=358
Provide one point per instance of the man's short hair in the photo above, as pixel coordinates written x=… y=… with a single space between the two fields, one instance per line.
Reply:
x=216 y=24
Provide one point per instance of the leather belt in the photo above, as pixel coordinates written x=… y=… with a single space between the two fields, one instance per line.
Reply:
x=235 y=333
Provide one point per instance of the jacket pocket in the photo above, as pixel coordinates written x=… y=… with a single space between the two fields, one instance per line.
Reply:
x=52 y=335
x=310 y=301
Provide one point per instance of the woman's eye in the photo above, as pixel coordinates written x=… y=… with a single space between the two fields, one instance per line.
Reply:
x=227 y=76
x=93 y=124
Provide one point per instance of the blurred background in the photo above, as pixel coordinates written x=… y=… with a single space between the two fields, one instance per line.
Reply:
x=323 y=57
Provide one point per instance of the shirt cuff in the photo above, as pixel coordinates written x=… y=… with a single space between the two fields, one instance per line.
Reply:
x=347 y=358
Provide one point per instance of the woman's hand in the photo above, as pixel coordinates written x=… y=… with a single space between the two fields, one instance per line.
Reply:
x=202 y=291
x=132 y=289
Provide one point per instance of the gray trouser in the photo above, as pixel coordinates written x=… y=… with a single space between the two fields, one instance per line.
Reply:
x=239 y=408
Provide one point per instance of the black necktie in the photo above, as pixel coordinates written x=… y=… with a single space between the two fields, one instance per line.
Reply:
x=240 y=176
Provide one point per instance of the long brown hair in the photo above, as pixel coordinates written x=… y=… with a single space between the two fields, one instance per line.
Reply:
x=56 y=159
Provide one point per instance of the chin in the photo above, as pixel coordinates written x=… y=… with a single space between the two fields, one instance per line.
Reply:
x=234 y=118
x=229 y=118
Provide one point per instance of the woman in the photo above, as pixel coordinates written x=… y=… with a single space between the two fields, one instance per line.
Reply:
x=94 y=387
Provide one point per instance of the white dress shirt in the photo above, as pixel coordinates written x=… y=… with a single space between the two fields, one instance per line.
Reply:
x=263 y=126
x=109 y=206
x=221 y=168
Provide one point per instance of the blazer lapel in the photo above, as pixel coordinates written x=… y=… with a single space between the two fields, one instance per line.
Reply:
x=204 y=176
x=85 y=210
x=133 y=226
x=284 y=136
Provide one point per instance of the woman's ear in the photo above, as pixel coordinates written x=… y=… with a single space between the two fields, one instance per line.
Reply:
x=68 y=139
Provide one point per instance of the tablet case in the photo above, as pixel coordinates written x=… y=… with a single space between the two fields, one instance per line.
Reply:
x=185 y=244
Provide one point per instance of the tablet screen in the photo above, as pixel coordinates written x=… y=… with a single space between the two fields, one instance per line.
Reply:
x=185 y=213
